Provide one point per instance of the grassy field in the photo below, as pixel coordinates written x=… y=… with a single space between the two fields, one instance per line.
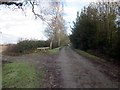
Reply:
x=19 y=75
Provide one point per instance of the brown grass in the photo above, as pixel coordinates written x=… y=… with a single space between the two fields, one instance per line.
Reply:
x=3 y=48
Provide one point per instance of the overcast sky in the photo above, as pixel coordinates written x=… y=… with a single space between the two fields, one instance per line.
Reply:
x=15 y=25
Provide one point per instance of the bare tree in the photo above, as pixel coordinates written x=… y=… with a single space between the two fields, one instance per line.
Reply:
x=49 y=12
x=57 y=30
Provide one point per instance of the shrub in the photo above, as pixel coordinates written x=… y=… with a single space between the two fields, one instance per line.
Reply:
x=26 y=46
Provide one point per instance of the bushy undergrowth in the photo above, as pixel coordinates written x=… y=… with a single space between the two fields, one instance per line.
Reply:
x=25 y=46
x=30 y=45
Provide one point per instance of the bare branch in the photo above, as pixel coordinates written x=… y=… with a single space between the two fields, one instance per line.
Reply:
x=10 y=3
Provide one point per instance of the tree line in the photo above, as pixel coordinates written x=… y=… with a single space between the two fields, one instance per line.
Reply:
x=25 y=46
x=95 y=29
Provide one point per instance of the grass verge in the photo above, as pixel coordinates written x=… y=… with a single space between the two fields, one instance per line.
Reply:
x=53 y=51
x=19 y=75
x=87 y=55
x=98 y=58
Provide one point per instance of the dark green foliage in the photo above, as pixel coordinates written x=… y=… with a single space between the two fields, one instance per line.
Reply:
x=95 y=29
x=25 y=46
x=30 y=45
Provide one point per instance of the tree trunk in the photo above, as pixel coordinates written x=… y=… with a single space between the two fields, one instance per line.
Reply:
x=59 y=40
x=51 y=44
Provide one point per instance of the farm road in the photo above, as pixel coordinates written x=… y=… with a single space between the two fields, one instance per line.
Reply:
x=79 y=72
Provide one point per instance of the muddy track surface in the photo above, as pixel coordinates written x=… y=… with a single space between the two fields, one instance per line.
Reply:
x=79 y=72
x=71 y=70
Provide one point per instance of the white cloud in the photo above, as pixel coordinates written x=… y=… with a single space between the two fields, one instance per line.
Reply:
x=14 y=25
x=71 y=8
x=81 y=1
x=87 y=1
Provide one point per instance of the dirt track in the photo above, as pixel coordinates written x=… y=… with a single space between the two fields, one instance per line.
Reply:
x=70 y=70
x=79 y=72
